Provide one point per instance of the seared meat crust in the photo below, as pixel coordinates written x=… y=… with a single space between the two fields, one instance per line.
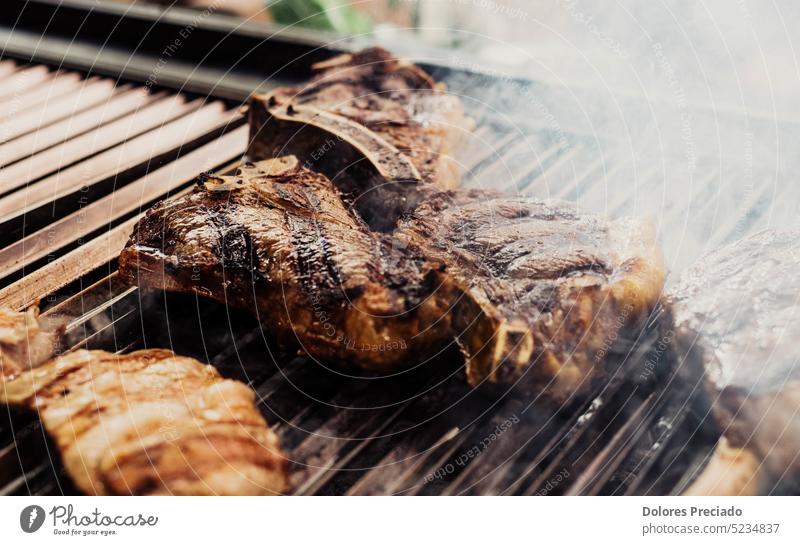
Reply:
x=737 y=309
x=278 y=240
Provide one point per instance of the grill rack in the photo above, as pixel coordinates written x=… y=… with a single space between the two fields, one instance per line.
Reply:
x=338 y=442
x=420 y=433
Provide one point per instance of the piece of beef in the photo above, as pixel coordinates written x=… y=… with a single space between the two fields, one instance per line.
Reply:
x=520 y=284
x=152 y=422
x=148 y=422
x=738 y=311
x=374 y=124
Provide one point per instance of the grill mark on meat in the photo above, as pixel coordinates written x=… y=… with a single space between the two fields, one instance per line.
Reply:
x=232 y=452
x=332 y=280
x=298 y=237
x=316 y=269
x=327 y=257
x=234 y=246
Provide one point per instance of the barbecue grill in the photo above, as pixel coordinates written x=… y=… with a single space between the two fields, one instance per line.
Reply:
x=110 y=108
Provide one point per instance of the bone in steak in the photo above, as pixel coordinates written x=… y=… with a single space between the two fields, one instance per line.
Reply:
x=148 y=422
x=277 y=240
x=519 y=283
x=376 y=125
x=738 y=310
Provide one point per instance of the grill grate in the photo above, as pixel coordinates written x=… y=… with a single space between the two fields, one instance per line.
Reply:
x=73 y=182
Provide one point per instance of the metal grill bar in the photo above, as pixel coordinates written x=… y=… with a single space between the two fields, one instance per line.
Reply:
x=426 y=434
x=144 y=149
x=529 y=179
x=122 y=202
x=92 y=92
x=53 y=136
x=602 y=466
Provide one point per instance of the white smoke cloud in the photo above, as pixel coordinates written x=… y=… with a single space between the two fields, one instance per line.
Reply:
x=690 y=108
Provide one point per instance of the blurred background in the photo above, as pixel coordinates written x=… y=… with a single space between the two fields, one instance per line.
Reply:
x=731 y=46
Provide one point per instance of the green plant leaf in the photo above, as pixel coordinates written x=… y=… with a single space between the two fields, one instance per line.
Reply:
x=334 y=15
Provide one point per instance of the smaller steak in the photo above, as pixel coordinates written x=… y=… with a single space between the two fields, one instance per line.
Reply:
x=738 y=308
x=148 y=422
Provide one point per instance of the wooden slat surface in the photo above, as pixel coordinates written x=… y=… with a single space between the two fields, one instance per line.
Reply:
x=6 y=68
x=60 y=84
x=64 y=270
x=22 y=80
x=61 y=132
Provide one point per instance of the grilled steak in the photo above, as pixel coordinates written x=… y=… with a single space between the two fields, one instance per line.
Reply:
x=375 y=125
x=518 y=283
x=150 y=422
x=738 y=309
x=277 y=240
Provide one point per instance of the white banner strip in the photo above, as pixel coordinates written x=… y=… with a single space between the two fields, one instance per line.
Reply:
x=353 y=521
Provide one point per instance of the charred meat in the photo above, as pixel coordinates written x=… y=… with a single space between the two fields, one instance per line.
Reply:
x=519 y=284
x=278 y=240
x=374 y=124
x=738 y=309
x=149 y=422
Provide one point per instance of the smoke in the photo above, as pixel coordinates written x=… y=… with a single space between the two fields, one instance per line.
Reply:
x=735 y=54
x=679 y=110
